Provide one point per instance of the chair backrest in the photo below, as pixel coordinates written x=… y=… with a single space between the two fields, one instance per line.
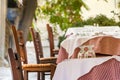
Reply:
x=19 y=43
x=16 y=40
x=22 y=47
x=15 y=65
x=51 y=39
x=37 y=44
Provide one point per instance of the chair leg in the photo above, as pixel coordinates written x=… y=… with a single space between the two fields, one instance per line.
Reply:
x=52 y=71
x=42 y=74
x=38 y=76
x=25 y=75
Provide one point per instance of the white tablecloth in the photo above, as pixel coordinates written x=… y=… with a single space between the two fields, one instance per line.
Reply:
x=72 y=69
x=92 y=29
x=82 y=34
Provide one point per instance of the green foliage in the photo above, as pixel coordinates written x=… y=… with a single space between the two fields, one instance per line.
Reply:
x=64 y=13
x=78 y=24
x=29 y=37
x=118 y=24
x=89 y=21
x=119 y=4
x=102 y=20
x=61 y=38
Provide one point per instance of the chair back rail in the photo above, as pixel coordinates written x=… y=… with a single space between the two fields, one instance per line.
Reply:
x=19 y=43
x=22 y=47
x=39 y=49
x=37 y=44
x=51 y=40
x=14 y=31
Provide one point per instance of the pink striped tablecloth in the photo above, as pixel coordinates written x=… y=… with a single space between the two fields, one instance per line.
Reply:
x=73 y=69
x=109 y=70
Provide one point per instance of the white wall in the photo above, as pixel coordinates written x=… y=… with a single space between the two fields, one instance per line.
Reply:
x=99 y=7
x=2 y=30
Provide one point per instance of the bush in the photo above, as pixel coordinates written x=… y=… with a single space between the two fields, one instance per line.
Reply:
x=102 y=20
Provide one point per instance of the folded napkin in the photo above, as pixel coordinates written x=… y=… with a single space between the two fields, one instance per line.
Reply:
x=86 y=51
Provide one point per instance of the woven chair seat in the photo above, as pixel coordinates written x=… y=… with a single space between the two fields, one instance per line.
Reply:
x=38 y=67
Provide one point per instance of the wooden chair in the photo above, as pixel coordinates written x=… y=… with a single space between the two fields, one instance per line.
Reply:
x=39 y=50
x=53 y=51
x=16 y=66
x=21 y=49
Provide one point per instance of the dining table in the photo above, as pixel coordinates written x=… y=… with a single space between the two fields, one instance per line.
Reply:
x=105 y=40
x=82 y=40
x=73 y=69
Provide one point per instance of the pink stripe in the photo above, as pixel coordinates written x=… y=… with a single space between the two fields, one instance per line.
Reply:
x=109 y=70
